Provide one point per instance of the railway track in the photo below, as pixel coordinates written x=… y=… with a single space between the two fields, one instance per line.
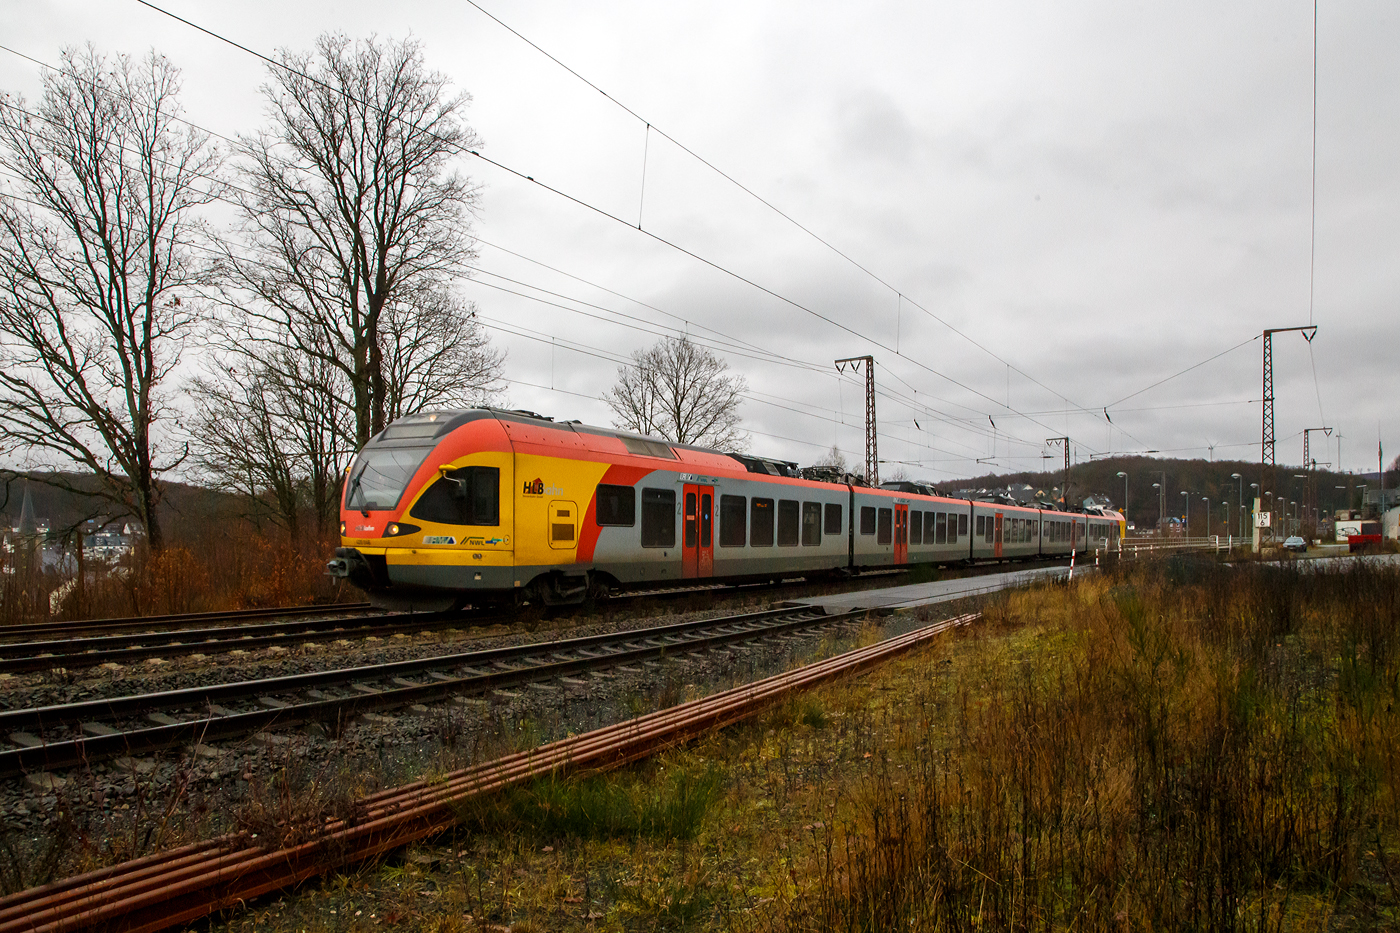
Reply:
x=45 y=631
x=172 y=888
x=76 y=734
x=72 y=653
x=83 y=645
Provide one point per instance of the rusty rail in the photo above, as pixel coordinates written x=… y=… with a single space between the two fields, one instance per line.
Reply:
x=172 y=888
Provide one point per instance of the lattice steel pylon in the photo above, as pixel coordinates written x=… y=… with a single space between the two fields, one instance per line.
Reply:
x=1266 y=457
x=872 y=457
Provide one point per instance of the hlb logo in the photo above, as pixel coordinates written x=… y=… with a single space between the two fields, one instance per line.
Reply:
x=534 y=487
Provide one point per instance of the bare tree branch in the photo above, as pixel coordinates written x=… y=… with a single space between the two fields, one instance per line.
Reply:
x=681 y=392
x=354 y=211
x=96 y=269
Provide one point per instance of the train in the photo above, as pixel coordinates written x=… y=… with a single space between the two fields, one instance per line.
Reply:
x=481 y=506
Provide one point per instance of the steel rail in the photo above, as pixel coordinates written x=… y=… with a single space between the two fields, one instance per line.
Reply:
x=161 y=891
x=617 y=648
x=124 y=649
x=94 y=626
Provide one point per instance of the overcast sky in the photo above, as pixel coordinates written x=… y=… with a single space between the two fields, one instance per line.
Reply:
x=1084 y=197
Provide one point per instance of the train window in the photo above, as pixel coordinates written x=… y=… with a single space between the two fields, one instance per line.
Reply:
x=787 y=522
x=981 y=524
x=833 y=518
x=962 y=526
x=761 y=523
x=466 y=496
x=733 y=521
x=616 y=505
x=690 y=519
x=707 y=507
x=940 y=528
x=916 y=527
x=884 y=532
x=647 y=448
x=867 y=519
x=991 y=529
x=811 y=524
x=658 y=518
x=953 y=528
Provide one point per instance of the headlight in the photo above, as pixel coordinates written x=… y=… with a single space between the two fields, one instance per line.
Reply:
x=399 y=529
x=342 y=529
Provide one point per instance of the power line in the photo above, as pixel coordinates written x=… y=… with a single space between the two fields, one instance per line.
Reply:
x=615 y=218
x=652 y=127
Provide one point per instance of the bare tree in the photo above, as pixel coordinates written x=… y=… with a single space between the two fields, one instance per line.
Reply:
x=681 y=392
x=436 y=355
x=352 y=214
x=96 y=270
x=276 y=428
x=275 y=431
x=833 y=458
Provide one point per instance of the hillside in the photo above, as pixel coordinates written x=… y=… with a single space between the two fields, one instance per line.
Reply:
x=1199 y=477
x=184 y=505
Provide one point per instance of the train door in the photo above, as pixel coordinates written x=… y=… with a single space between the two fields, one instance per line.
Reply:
x=901 y=534
x=697 y=543
x=996 y=536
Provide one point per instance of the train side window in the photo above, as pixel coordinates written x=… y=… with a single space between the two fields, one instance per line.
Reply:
x=811 y=524
x=952 y=528
x=616 y=505
x=466 y=496
x=940 y=528
x=658 y=518
x=991 y=529
x=884 y=533
x=707 y=512
x=690 y=529
x=761 y=523
x=733 y=520
x=787 y=522
x=833 y=518
x=981 y=524
x=962 y=526
x=867 y=519
x=916 y=527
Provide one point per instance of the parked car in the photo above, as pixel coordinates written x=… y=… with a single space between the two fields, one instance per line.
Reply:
x=1295 y=543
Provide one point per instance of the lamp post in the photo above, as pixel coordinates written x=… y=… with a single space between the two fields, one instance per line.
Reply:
x=1186 y=528
x=1160 y=510
x=1125 y=494
x=1241 y=501
x=1206 y=500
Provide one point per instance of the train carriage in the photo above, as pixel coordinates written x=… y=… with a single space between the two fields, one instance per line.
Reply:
x=443 y=508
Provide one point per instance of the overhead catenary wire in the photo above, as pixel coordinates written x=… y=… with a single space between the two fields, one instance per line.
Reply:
x=766 y=356
x=900 y=295
x=602 y=212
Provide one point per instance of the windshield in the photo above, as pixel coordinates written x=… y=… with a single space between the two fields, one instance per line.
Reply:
x=380 y=475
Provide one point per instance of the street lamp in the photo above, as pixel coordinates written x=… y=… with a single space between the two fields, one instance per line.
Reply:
x=1241 y=479
x=1186 y=528
x=1125 y=494
x=1206 y=499
x=1160 y=510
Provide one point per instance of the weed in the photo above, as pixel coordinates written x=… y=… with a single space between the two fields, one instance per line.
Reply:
x=669 y=803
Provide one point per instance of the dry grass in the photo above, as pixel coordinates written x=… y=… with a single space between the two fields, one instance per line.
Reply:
x=208 y=566
x=1169 y=746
